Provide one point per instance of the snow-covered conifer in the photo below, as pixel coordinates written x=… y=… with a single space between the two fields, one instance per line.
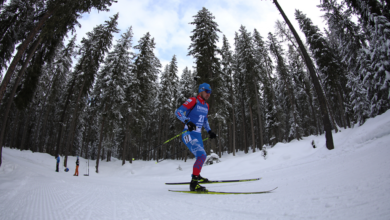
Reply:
x=332 y=70
x=349 y=43
x=146 y=72
x=203 y=47
x=111 y=85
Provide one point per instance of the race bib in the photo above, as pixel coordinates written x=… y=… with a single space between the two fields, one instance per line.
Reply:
x=187 y=138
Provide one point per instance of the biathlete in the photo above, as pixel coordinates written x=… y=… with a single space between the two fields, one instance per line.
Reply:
x=193 y=113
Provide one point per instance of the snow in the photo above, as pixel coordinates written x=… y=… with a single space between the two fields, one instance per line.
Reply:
x=350 y=182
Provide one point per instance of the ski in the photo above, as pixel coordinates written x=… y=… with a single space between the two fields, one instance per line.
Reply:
x=222 y=193
x=216 y=181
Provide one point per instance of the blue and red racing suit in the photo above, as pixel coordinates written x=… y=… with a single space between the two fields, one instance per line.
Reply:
x=196 y=111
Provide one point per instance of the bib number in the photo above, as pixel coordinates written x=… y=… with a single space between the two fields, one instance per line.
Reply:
x=187 y=138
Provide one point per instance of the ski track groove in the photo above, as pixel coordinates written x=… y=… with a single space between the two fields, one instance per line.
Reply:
x=224 y=204
x=161 y=209
x=86 y=204
x=51 y=197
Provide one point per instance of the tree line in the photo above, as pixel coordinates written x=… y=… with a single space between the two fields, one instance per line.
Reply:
x=102 y=98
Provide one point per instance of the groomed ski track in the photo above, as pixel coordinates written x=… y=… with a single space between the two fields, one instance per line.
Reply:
x=350 y=182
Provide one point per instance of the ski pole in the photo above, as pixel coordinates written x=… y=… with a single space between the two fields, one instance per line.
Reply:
x=158 y=161
x=173 y=137
x=164 y=143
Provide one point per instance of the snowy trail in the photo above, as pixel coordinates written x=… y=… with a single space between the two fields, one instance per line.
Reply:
x=350 y=182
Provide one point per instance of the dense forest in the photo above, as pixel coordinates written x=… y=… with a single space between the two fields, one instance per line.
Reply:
x=104 y=99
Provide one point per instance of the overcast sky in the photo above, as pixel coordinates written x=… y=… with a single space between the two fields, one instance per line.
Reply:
x=168 y=21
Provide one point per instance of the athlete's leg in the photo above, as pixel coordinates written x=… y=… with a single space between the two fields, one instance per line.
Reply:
x=193 y=141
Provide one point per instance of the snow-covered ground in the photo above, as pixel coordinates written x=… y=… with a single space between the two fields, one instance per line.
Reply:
x=350 y=182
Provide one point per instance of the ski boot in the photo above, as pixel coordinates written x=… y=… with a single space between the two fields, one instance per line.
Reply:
x=194 y=185
x=202 y=179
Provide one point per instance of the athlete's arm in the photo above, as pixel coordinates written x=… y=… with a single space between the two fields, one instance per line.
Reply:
x=206 y=124
x=182 y=112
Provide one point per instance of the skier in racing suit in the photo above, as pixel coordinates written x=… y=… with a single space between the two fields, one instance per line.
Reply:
x=193 y=113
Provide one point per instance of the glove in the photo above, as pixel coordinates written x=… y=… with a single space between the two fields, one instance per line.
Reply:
x=212 y=134
x=191 y=126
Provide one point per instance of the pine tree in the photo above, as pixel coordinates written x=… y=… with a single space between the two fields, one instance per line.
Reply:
x=55 y=18
x=301 y=77
x=347 y=34
x=56 y=73
x=264 y=68
x=15 y=19
x=377 y=81
x=306 y=114
x=205 y=51
x=27 y=90
x=173 y=84
x=228 y=112
x=367 y=9
x=249 y=74
x=287 y=87
x=111 y=85
x=186 y=85
x=350 y=44
x=236 y=101
x=203 y=47
x=169 y=101
x=91 y=52
x=316 y=83
x=329 y=65
x=376 y=17
x=146 y=72
x=241 y=80
x=274 y=100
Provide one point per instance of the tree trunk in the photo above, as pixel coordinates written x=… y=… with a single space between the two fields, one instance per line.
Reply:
x=124 y=149
x=24 y=137
x=87 y=134
x=100 y=144
x=69 y=144
x=308 y=93
x=259 y=116
x=43 y=127
x=342 y=112
x=49 y=143
x=317 y=86
x=149 y=146
x=243 y=124
x=61 y=122
x=219 y=142
x=331 y=115
x=15 y=129
x=83 y=140
x=253 y=131
x=233 y=117
x=41 y=135
x=125 y=141
x=130 y=148
x=292 y=103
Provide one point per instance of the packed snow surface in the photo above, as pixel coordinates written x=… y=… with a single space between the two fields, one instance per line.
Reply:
x=350 y=182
